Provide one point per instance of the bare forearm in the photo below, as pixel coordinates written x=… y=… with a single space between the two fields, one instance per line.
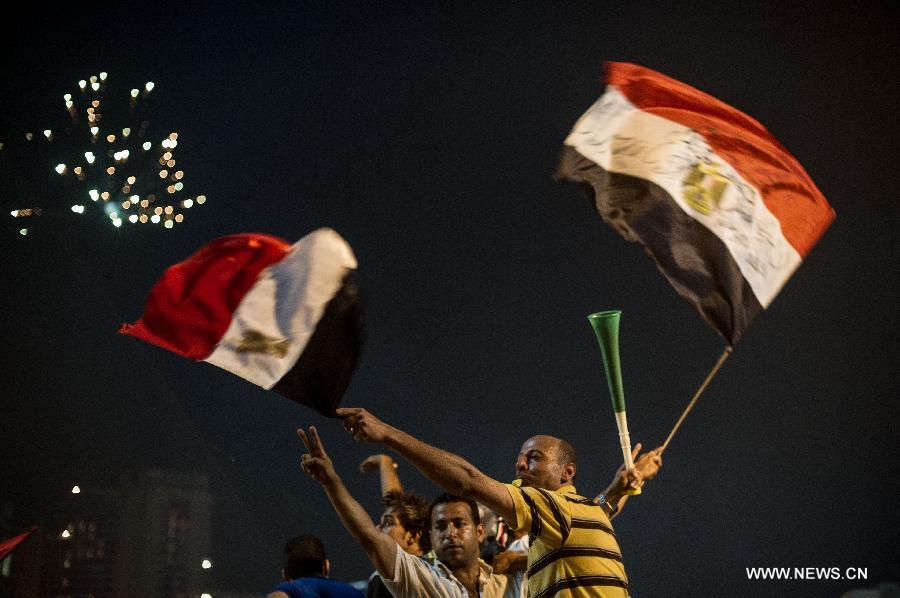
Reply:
x=452 y=472
x=616 y=501
x=447 y=470
x=379 y=547
x=390 y=481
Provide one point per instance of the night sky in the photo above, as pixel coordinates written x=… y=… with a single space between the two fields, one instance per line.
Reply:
x=428 y=137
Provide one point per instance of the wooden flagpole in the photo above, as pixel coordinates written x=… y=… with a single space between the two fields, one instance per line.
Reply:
x=697 y=394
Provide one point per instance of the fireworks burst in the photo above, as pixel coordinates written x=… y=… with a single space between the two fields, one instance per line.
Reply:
x=107 y=157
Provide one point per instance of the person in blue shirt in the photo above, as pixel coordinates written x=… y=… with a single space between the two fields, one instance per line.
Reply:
x=306 y=571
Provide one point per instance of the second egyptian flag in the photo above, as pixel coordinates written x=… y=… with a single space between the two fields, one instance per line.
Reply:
x=725 y=211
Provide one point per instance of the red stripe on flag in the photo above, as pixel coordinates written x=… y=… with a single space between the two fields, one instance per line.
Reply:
x=786 y=189
x=190 y=308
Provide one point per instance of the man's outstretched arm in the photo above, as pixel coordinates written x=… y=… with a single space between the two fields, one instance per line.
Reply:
x=451 y=472
x=379 y=547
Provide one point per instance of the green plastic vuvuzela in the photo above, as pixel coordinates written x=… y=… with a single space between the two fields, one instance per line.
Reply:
x=606 y=327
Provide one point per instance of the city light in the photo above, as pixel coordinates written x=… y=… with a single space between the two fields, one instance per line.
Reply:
x=76 y=489
x=206 y=564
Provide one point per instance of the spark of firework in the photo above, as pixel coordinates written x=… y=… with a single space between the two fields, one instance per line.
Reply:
x=108 y=156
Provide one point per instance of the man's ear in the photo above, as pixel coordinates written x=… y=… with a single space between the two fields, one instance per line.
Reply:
x=568 y=473
x=327 y=568
x=479 y=533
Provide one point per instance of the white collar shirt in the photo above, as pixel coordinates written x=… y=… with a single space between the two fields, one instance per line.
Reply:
x=417 y=578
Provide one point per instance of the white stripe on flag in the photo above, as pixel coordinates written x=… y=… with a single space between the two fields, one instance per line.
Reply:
x=621 y=138
x=282 y=309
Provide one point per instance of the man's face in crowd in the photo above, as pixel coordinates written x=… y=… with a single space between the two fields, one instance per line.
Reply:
x=391 y=525
x=538 y=464
x=454 y=535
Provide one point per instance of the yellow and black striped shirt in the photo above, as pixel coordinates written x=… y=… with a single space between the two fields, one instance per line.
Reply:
x=574 y=552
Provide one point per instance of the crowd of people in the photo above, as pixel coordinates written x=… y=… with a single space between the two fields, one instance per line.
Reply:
x=481 y=538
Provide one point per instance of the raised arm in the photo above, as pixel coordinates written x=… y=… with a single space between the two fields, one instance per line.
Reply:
x=645 y=468
x=380 y=548
x=451 y=472
x=387 y=472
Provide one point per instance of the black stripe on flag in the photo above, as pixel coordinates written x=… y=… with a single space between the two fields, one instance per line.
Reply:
x=324 y=369
x=693 y=259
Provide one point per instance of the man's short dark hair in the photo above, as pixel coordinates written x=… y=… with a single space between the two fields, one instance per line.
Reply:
x=304 y=556
x=446 y=497
x=413 y=513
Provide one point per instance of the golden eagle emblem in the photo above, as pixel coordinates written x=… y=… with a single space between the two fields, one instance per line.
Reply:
x=257 y=342
x=703 y=187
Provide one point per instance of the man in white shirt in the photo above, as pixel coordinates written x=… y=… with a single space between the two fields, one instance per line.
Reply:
x=456 y=533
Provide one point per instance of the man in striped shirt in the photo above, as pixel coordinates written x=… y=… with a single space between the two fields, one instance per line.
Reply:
x=573 y=552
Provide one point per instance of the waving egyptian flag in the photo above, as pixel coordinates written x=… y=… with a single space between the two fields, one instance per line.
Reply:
x=725 y=211
x=285 y=317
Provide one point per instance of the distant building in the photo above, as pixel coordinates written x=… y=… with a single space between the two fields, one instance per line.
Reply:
x=148 y=536
x=79 y=544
